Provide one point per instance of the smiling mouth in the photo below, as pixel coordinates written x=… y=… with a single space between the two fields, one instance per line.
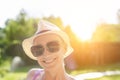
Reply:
x=49 y=61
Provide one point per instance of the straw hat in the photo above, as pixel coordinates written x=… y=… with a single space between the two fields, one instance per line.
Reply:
x=45 y=27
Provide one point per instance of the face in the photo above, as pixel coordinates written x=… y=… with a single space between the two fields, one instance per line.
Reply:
x=49 y=50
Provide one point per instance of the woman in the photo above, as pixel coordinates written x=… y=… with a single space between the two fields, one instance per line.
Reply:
x=49 y=46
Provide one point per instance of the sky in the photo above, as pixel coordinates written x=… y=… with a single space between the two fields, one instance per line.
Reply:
x=81 y=15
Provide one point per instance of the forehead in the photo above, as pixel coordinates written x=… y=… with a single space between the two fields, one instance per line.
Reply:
x=43 y=39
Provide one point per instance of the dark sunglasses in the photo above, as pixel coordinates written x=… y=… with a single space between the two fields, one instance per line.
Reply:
x=52 y=47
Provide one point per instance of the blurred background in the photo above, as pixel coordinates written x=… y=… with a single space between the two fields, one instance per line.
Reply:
x=92 y=25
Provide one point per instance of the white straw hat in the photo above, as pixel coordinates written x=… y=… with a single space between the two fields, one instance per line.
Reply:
x=45 y=27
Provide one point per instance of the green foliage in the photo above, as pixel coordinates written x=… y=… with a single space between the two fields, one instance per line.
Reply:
x=4 y=67
x=20 y=28
x=15 y=31
x=107 y=33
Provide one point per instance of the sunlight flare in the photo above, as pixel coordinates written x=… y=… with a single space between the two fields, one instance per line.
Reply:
x=84 y=32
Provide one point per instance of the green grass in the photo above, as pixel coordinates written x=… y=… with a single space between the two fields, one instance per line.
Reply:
x=21 y=73
x=14 y=76
x=113 y=77
x=5 y=73
x=18 y=74
x=110 y=67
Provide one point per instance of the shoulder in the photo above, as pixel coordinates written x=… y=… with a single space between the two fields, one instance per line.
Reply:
x=33 y=73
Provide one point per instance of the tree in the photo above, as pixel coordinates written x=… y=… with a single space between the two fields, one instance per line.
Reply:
x=2 y=40
x=20 y=28
x=107 y=33
x=16 y=30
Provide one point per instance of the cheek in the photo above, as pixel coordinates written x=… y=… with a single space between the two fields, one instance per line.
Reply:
x=40 y=62
x=62 y=52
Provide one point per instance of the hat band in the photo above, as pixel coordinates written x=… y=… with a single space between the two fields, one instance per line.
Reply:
x=43 y=31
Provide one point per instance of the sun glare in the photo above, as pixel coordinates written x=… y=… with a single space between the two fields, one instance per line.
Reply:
x=84 y=33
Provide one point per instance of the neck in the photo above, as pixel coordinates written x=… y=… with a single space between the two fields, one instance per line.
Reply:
x=55 y=74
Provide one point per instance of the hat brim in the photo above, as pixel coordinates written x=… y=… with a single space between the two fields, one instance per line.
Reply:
x=27 y=43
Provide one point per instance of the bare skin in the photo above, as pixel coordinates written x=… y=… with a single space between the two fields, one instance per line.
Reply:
x=52 y=63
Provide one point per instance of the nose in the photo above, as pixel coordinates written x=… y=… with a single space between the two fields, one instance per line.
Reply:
x=45 y=55
x=46 y=52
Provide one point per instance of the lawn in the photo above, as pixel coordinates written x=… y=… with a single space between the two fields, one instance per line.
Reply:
x=113 y=77
x=14 y=76
x=21 y=73
x=110 y=67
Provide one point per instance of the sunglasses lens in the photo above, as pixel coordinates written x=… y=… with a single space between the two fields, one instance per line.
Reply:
x=37 y=50
x=53 y=46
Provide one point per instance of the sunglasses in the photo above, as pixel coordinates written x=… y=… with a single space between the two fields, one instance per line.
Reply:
x=52 y=47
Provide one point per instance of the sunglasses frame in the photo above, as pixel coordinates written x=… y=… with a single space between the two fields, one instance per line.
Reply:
x=38 y=50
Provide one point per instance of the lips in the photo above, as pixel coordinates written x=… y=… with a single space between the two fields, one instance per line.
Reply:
x=49 y=61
